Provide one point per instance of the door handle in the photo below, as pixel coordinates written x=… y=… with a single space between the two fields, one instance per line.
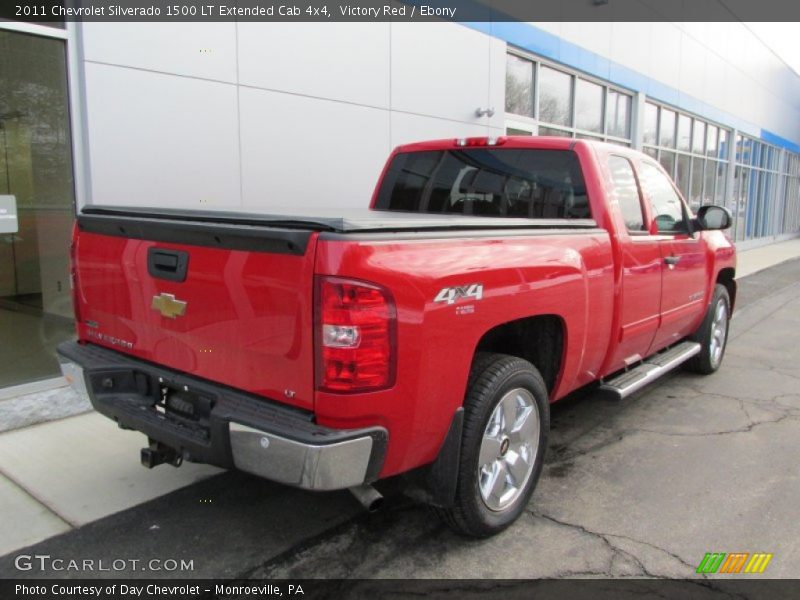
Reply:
x=672 y=260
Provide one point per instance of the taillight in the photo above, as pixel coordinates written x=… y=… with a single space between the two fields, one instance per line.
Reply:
x=355 y=336
x=73 y=273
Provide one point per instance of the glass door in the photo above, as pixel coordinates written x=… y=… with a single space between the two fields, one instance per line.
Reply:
x=36 y=176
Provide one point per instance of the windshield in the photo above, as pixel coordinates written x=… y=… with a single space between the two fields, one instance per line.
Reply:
x=529 y=183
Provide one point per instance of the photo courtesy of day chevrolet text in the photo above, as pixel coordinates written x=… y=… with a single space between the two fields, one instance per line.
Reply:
x=155 y=590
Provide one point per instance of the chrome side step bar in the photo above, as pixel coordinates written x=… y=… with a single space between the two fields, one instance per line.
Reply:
x=652 y=368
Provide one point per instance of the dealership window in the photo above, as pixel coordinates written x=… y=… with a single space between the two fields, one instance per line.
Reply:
x=546 y=99
x=791 y=194
x=543 y=99
x=555 y=101
x=666 y=128
x=618 y=114
x=693 y=151
x=588 y=106
x=763 y=190
x=519 y=86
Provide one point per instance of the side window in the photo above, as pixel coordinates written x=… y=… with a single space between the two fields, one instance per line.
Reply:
x=627 y=192
x=666 y=203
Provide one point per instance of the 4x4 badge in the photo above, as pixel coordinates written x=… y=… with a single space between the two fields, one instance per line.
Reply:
x=451 y=294
x=168 y=306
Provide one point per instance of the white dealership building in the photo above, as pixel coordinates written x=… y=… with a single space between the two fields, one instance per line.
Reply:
x=252 y=115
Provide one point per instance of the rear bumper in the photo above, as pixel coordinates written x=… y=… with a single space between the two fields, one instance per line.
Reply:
x=218 y=425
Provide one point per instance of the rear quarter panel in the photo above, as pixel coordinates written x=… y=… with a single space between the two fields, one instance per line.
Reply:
x=568 y=274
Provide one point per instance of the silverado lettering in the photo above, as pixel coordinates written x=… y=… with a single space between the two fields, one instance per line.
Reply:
x=320 y=351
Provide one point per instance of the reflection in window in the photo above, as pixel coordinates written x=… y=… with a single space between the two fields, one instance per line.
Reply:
x=667 y=161
x=723 y=144
x=555 y=96
x=711 y=141
x=514 y=131
x=708 y=186
x=699 y=137
x=696 y=190
x=722 y=177
x=664 y=200
x=741 y=151
x=531 y=183
x=742 y=183
x=682 y=174
x=564 y=104
x=589 y=106
x=755 y=153
x=667 y=129
x=650 y=124
x=36 y=168
x=757 y=186
x=618 y=114
x=766 y=157
x=684 y=133
x=553 y=131
x=519 y=86
x=626 y=192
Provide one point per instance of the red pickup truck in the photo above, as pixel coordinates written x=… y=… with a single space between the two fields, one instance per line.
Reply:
x=425 y=336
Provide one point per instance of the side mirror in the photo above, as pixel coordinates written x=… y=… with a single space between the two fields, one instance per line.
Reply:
x=711 y=217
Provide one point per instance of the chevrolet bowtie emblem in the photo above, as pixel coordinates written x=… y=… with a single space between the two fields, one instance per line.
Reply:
x=169 y=306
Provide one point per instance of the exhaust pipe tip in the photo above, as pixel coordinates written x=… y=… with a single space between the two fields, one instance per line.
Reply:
x=368 y=496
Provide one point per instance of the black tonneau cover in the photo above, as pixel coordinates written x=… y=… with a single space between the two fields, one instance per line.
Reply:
x=348 y=220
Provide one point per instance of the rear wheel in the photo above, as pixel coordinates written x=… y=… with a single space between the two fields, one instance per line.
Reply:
x=712 y=334
x=506 y=421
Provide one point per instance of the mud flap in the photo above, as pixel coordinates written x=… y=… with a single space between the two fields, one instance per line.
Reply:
x=436 y=483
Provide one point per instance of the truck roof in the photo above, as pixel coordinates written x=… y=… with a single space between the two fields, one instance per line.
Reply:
x=503 y=141
x=543 y=142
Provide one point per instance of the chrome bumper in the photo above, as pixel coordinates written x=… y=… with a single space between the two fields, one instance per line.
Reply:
x=280 y=448
x=329 y=467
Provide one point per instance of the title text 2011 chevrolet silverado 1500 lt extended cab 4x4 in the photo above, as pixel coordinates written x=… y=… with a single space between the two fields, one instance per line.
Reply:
x=425 y=336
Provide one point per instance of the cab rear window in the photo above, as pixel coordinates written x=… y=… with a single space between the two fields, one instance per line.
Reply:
x=529 y=183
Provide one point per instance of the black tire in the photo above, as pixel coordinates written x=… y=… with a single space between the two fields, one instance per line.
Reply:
x=494 y=377
x=708 y=361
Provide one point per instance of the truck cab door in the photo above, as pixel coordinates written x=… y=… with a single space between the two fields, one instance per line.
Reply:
x=641 y=276
x=683 y=271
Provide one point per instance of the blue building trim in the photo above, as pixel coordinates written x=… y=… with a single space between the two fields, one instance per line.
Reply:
x=540 y=42
x=777 y=140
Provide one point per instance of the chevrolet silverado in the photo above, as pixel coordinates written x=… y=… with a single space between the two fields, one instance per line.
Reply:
x=425 y=335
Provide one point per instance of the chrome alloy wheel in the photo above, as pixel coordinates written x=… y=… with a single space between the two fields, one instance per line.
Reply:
x=719 y=332
x=508 y=450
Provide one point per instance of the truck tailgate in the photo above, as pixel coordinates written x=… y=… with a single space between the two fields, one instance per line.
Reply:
x=230 y=303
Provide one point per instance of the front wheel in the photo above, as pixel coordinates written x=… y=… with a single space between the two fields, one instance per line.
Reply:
x=712 y=334
x=506 y=422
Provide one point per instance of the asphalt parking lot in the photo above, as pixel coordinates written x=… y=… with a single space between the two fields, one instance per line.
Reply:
x=640 y=487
